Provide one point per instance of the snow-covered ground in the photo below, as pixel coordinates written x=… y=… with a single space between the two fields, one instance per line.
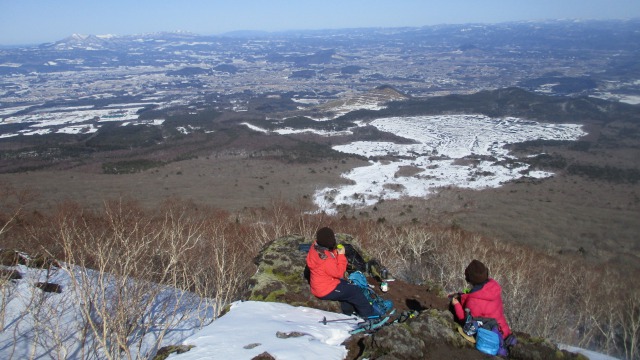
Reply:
x=67 y=116
x=439 y=142
x=465 y=151
x=38 y=325
x=46 y=325
x=284 y=331
x=251 y=328
x=72 y=119
x=591 y=355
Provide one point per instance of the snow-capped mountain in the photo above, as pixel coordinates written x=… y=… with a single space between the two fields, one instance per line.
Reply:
x=115 y=42
x=79 y=41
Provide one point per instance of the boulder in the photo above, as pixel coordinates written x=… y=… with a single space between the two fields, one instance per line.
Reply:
x=280 y=275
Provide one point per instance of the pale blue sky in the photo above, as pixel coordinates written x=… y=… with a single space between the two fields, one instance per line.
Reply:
x=38 y=21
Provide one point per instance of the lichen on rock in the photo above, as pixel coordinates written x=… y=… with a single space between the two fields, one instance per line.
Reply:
x=280 y=275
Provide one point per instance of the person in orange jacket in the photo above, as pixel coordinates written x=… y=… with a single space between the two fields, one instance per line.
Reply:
x=327 y=266
x=484 y=300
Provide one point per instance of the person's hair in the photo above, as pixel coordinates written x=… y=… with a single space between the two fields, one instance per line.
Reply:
x=326 y=238
x=476 y=273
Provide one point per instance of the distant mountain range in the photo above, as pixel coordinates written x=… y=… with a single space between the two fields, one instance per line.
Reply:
x=594 y=34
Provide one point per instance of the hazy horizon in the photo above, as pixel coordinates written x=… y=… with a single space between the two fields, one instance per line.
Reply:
x=34 y=22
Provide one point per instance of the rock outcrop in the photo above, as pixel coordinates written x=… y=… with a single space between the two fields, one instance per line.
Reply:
x=430 y=335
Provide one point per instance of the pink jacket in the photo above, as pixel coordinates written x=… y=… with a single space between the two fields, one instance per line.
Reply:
x=325 y=273
x=486 y=302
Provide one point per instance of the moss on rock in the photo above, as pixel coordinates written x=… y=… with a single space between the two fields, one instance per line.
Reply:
x=280 y=275
x=165 y=351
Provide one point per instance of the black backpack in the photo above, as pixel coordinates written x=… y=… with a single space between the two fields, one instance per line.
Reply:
x=355 y=262
x=354 y=259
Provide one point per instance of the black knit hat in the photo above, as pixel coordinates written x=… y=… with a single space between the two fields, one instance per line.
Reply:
x=326 y=238
x=476 y=273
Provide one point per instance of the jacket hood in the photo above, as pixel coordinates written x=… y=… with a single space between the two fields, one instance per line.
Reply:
x=317 y=254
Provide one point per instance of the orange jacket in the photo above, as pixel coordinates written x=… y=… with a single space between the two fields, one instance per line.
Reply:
x=325 y=273
x=486 y=302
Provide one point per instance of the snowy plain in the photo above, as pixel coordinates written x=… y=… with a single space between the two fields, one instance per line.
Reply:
x=466 y=151
x=71 y=119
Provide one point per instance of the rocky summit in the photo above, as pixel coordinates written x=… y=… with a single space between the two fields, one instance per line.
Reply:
x=431 y=334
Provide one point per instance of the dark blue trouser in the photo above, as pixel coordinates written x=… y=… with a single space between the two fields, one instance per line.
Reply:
x=350 y=297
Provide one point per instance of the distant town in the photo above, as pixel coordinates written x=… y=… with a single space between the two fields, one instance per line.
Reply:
x=117 y=78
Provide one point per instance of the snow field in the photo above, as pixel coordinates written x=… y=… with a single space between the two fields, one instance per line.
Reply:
x=440 y=141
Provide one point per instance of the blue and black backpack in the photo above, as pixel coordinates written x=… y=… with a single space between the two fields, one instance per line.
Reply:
x=488 y=336
x=380 y=305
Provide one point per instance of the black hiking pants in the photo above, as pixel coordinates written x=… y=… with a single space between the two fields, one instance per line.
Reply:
x=351 y=298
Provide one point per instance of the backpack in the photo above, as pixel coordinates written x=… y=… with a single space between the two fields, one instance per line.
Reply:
x=488 y=341
x=380 y=305
x=488 y=336
x=355 y=262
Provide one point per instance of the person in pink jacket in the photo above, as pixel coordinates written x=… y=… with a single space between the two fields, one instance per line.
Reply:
x=485 y=298
x=327 y=265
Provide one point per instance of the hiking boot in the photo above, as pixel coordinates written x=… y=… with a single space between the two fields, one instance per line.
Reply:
x=506 y=345
x=510 y=341
x=406 y=315
x=375 y=323
x=373 y=319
